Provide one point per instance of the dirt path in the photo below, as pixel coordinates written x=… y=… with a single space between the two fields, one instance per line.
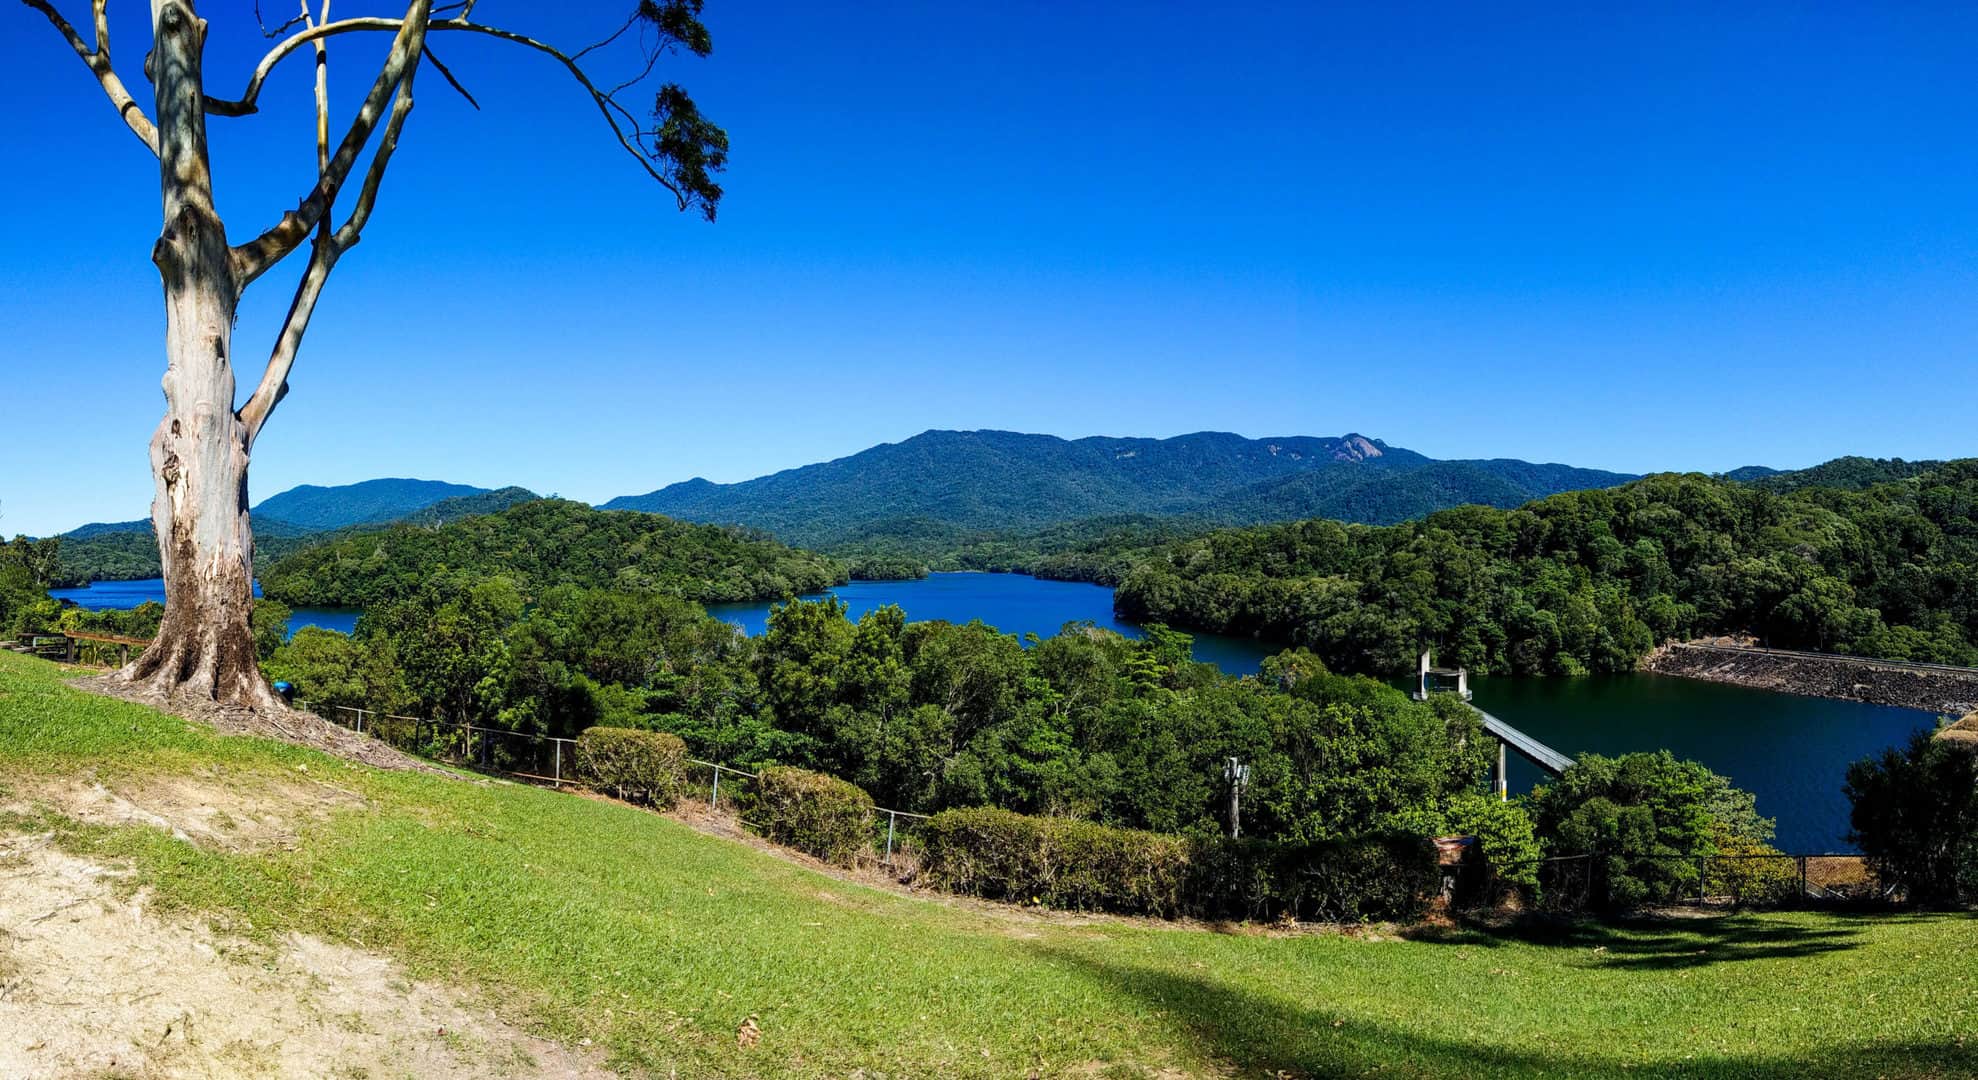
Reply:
x=92 y=984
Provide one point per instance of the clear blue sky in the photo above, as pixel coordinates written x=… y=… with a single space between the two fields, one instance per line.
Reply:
x=1667 y=239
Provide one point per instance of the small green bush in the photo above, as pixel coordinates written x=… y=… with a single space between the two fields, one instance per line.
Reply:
x=1079 y=865
x=1000 y=855
x=1751 y=873
x=814 y=813
x=633 y=764
x=1508 y=843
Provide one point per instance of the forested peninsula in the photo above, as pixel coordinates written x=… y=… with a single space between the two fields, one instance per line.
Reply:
x=1590 y=581
x=546 y=543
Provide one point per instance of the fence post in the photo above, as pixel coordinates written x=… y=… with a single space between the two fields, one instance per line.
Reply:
x=714 y=797
x=1802 y=879
x=559 y=761
x=891 y=818
x=1702 y=871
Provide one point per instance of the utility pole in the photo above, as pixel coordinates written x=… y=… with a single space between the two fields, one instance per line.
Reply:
x=1238 y=775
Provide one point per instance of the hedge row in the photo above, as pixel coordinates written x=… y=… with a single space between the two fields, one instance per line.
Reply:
x=1079 y=865
x=814 y=813
x=1001 y=855
x=1059 y=862
x=633 y=764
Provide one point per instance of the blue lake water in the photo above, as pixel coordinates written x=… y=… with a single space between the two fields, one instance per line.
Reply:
x=1013 y=603
x=1792 y=752
x=123 y=595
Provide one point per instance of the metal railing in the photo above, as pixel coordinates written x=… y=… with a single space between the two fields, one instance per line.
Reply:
x=545 y=759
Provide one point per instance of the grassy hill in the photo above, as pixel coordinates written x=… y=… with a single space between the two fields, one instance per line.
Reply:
x=595 y=921
x=1005 y=480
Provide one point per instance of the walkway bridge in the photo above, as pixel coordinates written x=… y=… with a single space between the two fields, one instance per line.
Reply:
x=1432 y=679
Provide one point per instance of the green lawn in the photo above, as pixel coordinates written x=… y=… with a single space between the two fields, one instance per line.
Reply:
x=657 y=942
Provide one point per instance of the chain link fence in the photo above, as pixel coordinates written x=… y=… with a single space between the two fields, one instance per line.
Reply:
x=552 y=760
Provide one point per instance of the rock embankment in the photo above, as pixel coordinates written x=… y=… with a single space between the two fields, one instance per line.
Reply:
x=1944 y=690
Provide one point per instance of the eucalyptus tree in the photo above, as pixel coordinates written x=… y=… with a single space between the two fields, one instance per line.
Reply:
x=201 y=448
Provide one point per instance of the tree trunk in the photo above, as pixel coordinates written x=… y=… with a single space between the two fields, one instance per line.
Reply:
x=205 y=648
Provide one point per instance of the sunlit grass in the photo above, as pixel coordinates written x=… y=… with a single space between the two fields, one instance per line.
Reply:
x=596 y=921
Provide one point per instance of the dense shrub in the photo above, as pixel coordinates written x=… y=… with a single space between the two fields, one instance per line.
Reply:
x=1355 y=879
x=633 y=764
x=1750 y=872
x=1644 y=821
x=1915 y=816
x=1061 y=862
x=814 y=813
x=26 y=570
x=1508 y=852
x=328 y=669
x=1080 y=865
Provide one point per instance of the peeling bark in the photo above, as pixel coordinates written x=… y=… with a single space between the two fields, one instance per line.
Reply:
x=205 y=647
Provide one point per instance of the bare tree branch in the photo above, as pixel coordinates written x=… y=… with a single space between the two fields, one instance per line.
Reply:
x=253 y=258
x=450 y=80
x=395 y=79
x=274 y=381
x=367 y=196
x=98 y=62
x=328 y=248
x=628 y=132
x=322 y=87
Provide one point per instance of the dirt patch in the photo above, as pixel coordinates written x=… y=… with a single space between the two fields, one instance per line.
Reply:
x=233 y=812
x=92 y=985
x=288 y=725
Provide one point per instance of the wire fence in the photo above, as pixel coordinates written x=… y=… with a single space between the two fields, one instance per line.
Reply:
x=1568 y=884
x=552 y=760
x=1578 y=883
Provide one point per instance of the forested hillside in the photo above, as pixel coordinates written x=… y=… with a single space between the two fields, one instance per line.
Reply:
x=545 y=543
x=128 y=551
x=1590 y=581
x=1013 y=483
x=1849 y=473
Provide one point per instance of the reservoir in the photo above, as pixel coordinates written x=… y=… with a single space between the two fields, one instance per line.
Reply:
x=1790 y=751
x=123 y=595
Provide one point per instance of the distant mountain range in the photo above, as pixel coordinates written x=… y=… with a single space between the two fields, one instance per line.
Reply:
x=940 y=489
x=126 y=550
x=1009 y=480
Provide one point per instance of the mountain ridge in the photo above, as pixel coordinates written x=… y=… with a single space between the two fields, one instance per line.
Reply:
x=1003 y=479
x=124 y=551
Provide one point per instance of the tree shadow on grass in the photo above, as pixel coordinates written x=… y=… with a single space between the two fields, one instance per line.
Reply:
x=1261 y=1035
x=1654 y=943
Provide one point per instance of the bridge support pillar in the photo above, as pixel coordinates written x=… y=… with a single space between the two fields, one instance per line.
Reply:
x=1503 y=778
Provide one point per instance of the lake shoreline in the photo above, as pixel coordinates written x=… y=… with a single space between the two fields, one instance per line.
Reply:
x=1933 y=689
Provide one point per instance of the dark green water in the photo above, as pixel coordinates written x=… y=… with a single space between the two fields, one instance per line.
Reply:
x=1790 y=751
